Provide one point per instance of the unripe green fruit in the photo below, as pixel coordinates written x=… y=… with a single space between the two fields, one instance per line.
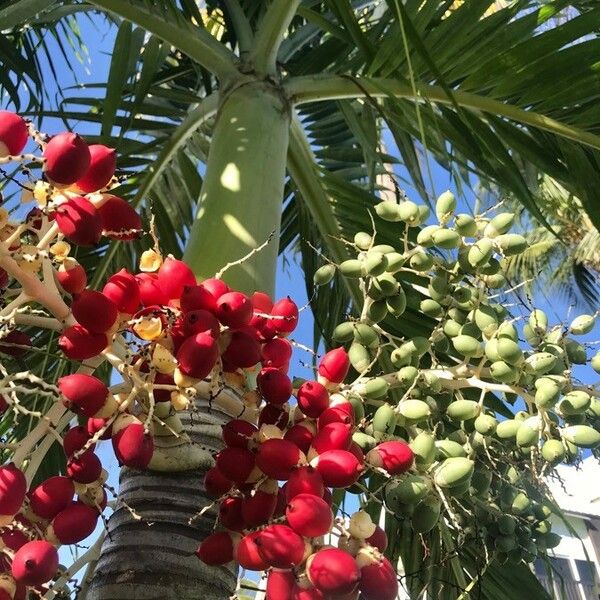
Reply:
x=359 y=357
x=445 y=206
x=486 y=319
x=507 y=524
x=467 y=346
x=386 y=284
x=364 y=441
x=574 y=403
x=582 y=325
x=439 y=287
x=402 y=356
x=582 y=436
x=425 y=236
x=508 y=330
x=538 y=321
x=533 y=339
x=383 y=248
x=481 y=482
x=576 y=352
x=377 y=311
x=357 y=406
x=384 y=421
x=454 y=472
x=388 y=211
x=451 y=328
x=411 y=490
x=547 y=393
x=406 y=376
x=421 y=261
x=396 y=305
x=541 y=362
x=423 y=447
x=414 y=411
x=595 y=362
x=431 y=308
x=395 y=262
x=494 y=282
x=449 y=449
x=508 y=429
x=554 y=336
x=446 y=239
x=509 y=351
x=594 y=408
x=323 y=275
x=419 y=345
x=426 y=515
x=352 y=268
x=480 y=252
x=424 y=213
x=376 y=388
x=344 y=332
x=465 y=225
x=462 y=295
x=500 y=224
x=375 y=263
x=409 y=212
x=526 y=436
x=503 y=372
x=363 y=240
x=485 y=424
x=553 y=451
x=511 y=244
x=542 y=528
x=365 y=334
x=552 y=540
x=461 y=410
x=521 y=504
x=491 y=350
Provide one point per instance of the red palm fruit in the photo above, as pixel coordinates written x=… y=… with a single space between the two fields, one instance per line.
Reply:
x=3 y=404
x=71 y=276
x=95 y=425
x=243 y=350
x=51 y=496
x=84 y=394
x=216 y=484
x=313 y=398
x=78 y=343
x=328 y=496
x=235 y=463
x=273 y=415
x=238 y=433
x=196 y=297
x=123 y=291
x=13 y=539
x=379 y=539
x=215 y=287
x=120 y=221
x=334 y=366
x=379 y=580
x=280 y=585
x=218 y=548
x=335 y=414
x=133 y=446
x=234 y=309
x=304 y=480
x=333 y=571
x=197 y=321
x=13 y=343
x=85 y=469
x=74 y=523
x=259 y=506
x=276 y=353
x=301 y=434
x=162 y=395
x=261 y=303
x=333 y=436
x=151 y=294
x=280 y=546
x=281 y=502
x=277 y=458
x=357 y=451
x=13 y=133
x=67 y=158
x=79 y=221
x=94 y=311
x=339 y=468
x=307 y=593
x=12 y=489
x=75 y=439
x=247 y=555
x=285 y=312
x=198 y=355
x=173 y=276
x=274 y=386
x=309 y=515
x=35 y=563
x=4 y=279
x=395 y=457
x=230 y=514
x=103 y=162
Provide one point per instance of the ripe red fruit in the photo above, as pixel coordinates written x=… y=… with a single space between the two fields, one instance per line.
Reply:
x=395 y=457
x=123 y=291
x=51 y=496
x=12 y=489
x=313 y=398
x=235 y=464
x=230 y=514
x=234 y=309
x=35 y=563
x=173 y=276
x=274 y=386
x=338 y=468
x=215 y=287
x=95 y=425
x=119 y=219
x=309 y=515
x=247 y=555
x=259 y=506
x=197 y=321
x=277 y=458
x=335 y=414
x=196 y=297
x=333 y=571
x=71 y=276
x=273 y=415
x=197 y=355
x=307 y=593
x=276 y=353
x=238 y=432
x=79 y=221
x=84 y=394
x=133 y=446
x=243 y=350
x=280 y=585
x=379 y=539
x=151 y=294
x=13 y=539
x=304 y=480
x=94 y=311
x=261 y=303
x=75 y=439
x=334 y=366
x=74 y=523
x=280 y=546
x=11 y=343
x=300 y=434
x=103 y=162
x=13 y=133
x=216 y=484
x=286 y=313
x=218 y=548
x=333 y=436
x=379 y=581
x=80 y=344
x=85 y=469
x=67 y=158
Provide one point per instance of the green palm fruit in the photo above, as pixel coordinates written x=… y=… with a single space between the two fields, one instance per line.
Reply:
x=486 y=319
x=582 y=436
x=495 y=281
x=424 y=213
x=451 y=328
x=359 y=357
x=364 y=441
x=358 y=407
x=323 y=275
x=594 y=408
x=576 y=352
x=414 y=411
x=480 y=253
x=520 y=504
x=526 y=436
x=551 y=540
x=445 y=206
x=453 y=472
x=439 y=287
x=344 y=332
x=503 y=372
x=459 y=490
x=508 y=330
x=542 y=528
x=388 y=211
x=462 y=295
x=447 y=239
x=582 y=325
x=375 y=263
x=431 y=308
x=491 y=350
x=376 y=388
x=426 y=515
x=486 y=424
x=500 y=224
x=511 y=244
x=386 y=284
x=508 y=429
x=533 y=339
x=411 y=489
x=395 y=262
x=363 y=240
x=406 y=376
x=384 y=421
x=574 y=403
x=365 y=334
x=458 y=315
x=449 y=449
x=461 y=410
x=553 y=451
x=554 y=336
x=396 y=305
x=425 y=236
x=383 y=248
x=421 y=261
x=377 y=311
x=492 y=267
x=467 y=346
x=540 y=362
x=547 y=393
x=509 y=351
x=409 y=212
x=423 y=447
x=466 y=225
x=481 y=482
x=352 y=268
x=595 y=362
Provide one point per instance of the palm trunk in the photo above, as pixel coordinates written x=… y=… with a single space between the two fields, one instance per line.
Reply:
x=151 y=557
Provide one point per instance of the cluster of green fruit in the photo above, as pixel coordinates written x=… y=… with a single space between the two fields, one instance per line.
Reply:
x=480 y=463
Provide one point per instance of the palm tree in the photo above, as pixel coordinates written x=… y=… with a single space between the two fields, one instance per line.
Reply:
x=285 y=103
